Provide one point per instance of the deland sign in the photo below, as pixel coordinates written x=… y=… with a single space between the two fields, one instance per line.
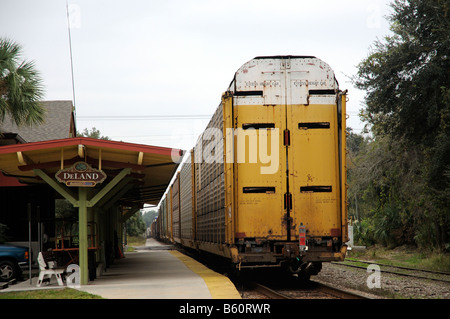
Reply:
x=81 y=174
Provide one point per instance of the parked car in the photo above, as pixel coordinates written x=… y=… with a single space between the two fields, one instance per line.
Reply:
x=13 y=259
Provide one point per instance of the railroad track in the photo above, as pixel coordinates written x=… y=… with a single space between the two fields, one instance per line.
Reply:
x=314 y=290
x=269 y=293
x=444 y=276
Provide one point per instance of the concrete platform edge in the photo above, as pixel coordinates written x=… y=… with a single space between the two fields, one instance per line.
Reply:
x=219 y=285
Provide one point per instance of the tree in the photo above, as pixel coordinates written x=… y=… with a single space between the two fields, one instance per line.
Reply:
x=21 y=89
x=407 y=83
x=407 y=80
x=385 y=184
x=135 y=225
x=406 y=76
x=93 y=133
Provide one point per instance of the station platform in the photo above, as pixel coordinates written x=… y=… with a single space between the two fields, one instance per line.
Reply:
x=152 y=272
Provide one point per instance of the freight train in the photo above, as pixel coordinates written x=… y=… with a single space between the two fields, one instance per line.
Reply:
x=265 y=184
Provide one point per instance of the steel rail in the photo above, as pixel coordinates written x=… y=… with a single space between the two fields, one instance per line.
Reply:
x=400 y=267
x=320 y=287
x=266 y=291
x=393 y=272
x=336 y=292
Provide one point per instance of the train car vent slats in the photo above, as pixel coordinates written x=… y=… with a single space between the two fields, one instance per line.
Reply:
x=257 y=126
x=313 y=125
x=260 y=190
x=315 y=189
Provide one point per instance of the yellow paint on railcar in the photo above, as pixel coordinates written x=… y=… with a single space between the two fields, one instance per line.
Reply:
x=228 y=159
x=342 y=103
x=283 y=164
x=314 y=168
x=259 y=168
x=317 y=189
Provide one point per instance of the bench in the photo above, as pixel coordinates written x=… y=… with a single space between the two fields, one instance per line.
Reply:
x=48 y=267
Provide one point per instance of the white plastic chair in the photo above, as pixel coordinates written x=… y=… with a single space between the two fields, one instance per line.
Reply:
x=48 y=272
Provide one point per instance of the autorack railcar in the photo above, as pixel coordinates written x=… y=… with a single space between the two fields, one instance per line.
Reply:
x=265 y=184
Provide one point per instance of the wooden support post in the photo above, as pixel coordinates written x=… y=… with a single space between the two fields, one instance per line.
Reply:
x=83 y=204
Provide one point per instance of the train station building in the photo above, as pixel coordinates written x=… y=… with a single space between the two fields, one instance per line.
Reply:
x=104 y=181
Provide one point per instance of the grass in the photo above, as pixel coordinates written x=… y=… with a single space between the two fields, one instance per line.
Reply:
x=130 y=249
x=439 y=262
x=406 y=257
x=66 y=293
x=136 y=241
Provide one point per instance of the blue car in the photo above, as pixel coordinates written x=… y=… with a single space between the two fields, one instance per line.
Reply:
x=12 y=260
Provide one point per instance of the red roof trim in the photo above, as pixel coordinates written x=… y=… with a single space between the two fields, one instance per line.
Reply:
x=89 y=142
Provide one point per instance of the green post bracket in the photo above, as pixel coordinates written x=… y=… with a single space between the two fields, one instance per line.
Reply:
x=81 y=201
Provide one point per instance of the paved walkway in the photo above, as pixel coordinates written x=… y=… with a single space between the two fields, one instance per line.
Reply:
x=154 y=272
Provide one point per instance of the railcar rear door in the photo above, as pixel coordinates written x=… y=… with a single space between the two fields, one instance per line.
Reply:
x=260 y=159
x=313 y=153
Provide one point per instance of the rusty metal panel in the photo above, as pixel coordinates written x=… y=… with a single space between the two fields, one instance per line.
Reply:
x=308 y=80
x=263 y=81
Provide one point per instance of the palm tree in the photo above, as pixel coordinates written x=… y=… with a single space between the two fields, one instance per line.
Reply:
x=21 y=89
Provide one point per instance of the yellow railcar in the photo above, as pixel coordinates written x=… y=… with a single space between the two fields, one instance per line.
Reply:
x=269 y=171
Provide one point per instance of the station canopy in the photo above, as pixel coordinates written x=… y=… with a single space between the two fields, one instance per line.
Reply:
x=149 y=168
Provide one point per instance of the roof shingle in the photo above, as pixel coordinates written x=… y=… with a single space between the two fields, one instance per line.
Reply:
x=57 y=123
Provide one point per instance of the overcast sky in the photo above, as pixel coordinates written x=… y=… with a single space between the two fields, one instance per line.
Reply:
x=140 y=58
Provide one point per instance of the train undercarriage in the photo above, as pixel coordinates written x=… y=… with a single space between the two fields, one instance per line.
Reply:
x=286 y=256
x=289 y=256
